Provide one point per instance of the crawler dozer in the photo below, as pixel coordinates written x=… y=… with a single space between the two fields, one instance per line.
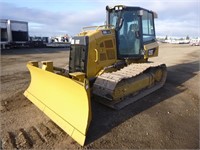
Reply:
x=109 y=61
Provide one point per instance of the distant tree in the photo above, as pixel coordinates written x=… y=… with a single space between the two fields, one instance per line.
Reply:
x=187 y=37
x=166 y=37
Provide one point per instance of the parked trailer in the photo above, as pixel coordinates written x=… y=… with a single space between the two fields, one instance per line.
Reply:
x=13 y=33
x=59 y=44
x=37 y=41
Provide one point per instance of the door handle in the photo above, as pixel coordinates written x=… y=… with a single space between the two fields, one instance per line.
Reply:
x=96 y=55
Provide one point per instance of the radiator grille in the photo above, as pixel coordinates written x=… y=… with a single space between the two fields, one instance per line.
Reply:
x=102 y=56
x=110 y=54
x=108 y=44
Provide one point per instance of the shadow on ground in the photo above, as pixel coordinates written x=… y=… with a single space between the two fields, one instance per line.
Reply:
x=104 y=119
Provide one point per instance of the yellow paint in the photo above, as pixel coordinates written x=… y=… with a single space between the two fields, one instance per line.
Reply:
x=65 y=101
x=47 y=65
x=95 y=49
x=150 y=46
x=98 y=47
x=132 y=86
x=79 y=76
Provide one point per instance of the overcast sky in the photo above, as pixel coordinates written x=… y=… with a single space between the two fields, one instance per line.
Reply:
x=177 y=18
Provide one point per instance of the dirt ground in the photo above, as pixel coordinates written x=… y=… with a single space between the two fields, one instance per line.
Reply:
x=165 y=119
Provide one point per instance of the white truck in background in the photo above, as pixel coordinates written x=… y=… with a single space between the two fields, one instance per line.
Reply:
x=13 y=33
x=59 y=41
x=195 y=42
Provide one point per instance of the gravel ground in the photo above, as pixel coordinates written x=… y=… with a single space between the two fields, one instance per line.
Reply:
x=167 y=118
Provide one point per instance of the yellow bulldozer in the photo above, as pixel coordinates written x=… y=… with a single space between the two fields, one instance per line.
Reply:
x=108 y=61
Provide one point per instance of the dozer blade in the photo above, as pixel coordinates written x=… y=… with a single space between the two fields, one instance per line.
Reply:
x=62 y=99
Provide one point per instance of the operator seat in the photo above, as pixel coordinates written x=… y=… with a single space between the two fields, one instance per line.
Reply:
x=131 y=33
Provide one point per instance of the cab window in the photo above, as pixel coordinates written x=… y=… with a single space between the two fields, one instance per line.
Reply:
x=148 y=27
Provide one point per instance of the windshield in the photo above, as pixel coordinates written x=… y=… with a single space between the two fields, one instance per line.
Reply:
x=114 y=16
x=127 y=26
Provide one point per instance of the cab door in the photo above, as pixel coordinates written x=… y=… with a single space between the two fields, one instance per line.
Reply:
x=128 y=35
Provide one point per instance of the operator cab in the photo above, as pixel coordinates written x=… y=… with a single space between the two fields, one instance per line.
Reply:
x=134 y=27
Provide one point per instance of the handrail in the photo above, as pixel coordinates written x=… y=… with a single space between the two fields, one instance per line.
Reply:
x=106 y=26
x=84 y=28
x=98 y=27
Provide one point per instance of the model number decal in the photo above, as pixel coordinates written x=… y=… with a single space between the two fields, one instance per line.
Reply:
x=106 y=32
